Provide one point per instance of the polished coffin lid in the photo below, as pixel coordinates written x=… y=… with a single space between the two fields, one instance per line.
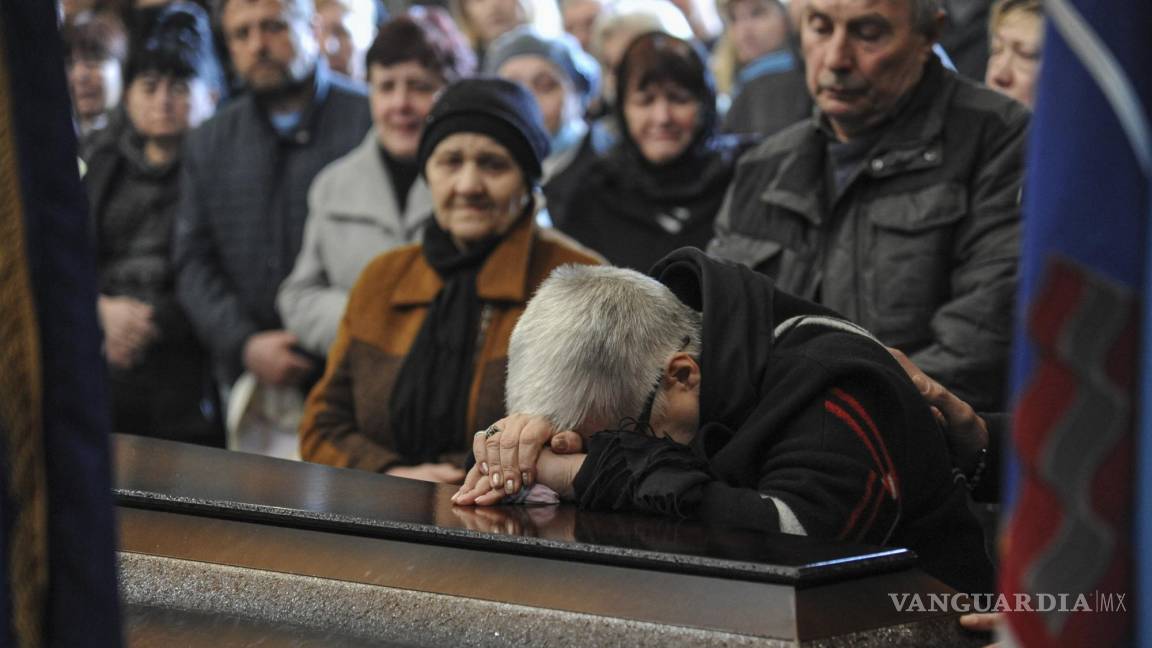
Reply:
x=165 y=475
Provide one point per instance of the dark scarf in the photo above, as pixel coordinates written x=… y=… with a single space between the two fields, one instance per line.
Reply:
x=403 y=174
x=429 y=406
x=705 y=164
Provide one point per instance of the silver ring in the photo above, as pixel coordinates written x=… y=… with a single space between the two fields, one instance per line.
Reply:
x=491 y=431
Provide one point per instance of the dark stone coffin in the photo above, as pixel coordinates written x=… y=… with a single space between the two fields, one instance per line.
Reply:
x=224 y=548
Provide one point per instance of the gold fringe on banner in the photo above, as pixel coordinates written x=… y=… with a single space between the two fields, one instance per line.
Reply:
x=20 y=397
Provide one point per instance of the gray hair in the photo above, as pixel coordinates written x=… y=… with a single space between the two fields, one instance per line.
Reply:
x=923 y=15
x=592 y=344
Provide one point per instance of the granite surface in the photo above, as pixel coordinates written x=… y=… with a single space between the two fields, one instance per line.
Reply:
x=351 y=613
x=169 y=599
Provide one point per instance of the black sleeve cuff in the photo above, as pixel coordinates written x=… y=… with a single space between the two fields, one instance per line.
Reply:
x=630 y=471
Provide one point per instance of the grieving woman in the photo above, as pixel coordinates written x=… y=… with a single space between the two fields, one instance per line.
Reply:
x=419 y=360
x=659 y=189
x=726 y=401
x=158 y=372
x=372 y=199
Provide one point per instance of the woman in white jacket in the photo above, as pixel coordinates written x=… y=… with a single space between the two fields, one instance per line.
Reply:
x=373 y=199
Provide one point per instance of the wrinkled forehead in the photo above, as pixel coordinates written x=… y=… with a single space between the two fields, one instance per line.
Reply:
x=895 y=11
x=470 y=143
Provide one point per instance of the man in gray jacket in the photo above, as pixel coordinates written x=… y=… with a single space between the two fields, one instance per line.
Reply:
x=897 y=204
x=244 y=185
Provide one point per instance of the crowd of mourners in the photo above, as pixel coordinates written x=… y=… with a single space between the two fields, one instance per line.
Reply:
x=446 y=242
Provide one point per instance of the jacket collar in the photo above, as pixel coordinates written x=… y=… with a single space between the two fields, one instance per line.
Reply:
x=302 y=135
x=911 y=141
x=503 y=277
x=378 y=200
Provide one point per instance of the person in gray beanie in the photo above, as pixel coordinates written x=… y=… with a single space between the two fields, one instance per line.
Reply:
x=564 y=79
x=418 y=362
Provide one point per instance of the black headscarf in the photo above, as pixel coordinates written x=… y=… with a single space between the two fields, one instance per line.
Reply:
x=706 y=162
x=657 y=57
x=429 y=405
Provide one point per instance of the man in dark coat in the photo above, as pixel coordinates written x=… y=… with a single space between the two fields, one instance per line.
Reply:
x=707 y=393
x=897 y=204
x=245 y=178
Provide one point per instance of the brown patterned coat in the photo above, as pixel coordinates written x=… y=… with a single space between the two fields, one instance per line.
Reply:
x=346 y=421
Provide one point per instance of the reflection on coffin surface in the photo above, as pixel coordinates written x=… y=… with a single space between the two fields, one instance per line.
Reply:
x=220 y=548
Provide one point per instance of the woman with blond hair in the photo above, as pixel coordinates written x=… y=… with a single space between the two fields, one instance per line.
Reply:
x=1015 y=39
x=755 y=42
x=483 y=21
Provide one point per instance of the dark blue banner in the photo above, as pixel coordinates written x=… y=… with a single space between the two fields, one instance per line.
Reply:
x=57 y=503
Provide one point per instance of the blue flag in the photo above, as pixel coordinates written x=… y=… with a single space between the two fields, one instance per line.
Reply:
x=58 y=571
x=1078 y=488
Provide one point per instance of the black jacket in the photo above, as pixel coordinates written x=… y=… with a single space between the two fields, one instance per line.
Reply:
x=242 y=209
x=807 y=425
x=169 y=392
x=920 y=248
x=770 y=103
x=634 y=213
x=560 y=188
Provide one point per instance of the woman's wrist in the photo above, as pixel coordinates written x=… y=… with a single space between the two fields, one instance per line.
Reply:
x=558 y=472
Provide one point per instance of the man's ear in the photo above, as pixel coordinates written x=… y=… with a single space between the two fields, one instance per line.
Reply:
x=682 y=372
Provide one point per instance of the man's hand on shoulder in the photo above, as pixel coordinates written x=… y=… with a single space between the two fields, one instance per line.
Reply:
x=966 y=431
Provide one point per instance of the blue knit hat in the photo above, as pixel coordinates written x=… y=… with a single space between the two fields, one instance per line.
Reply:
x=562 y=51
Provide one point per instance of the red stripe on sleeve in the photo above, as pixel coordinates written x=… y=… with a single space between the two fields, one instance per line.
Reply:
x=859 y=506
x=847 y=419
x=871 y=518
x=888 y=466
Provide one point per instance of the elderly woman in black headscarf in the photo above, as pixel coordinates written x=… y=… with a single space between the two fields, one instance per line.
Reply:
x=418 y=362
x=661 y=186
